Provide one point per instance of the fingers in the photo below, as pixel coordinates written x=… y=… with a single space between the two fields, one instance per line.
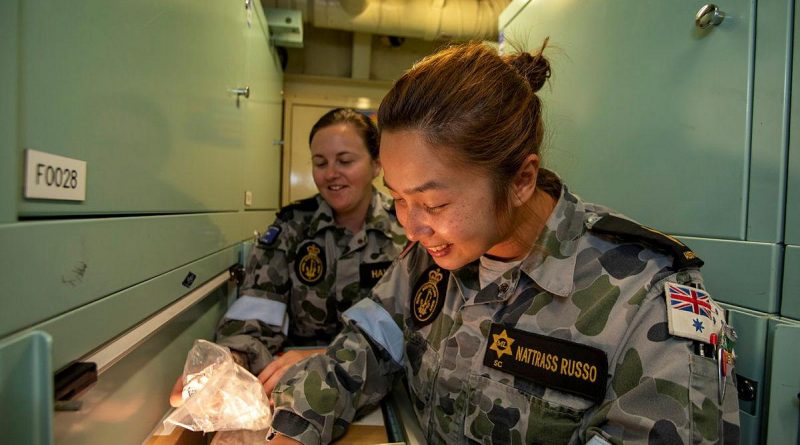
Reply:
x=273 y=380
x=273 y=366
x=176 y=396
x=273 y=372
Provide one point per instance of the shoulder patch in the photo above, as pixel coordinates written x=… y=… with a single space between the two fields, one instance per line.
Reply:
x=682 y=255
x=310 y=263
x=552 y=362
x=691 y=313
x=308 y=205
x=269 y=237
x=430 y=291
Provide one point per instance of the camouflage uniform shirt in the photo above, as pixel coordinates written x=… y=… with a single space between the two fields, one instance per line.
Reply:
x=303 y=273
x=571 y=343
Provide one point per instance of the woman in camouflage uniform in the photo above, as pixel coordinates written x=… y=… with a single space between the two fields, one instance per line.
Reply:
x=319 y=257
x=522 y=314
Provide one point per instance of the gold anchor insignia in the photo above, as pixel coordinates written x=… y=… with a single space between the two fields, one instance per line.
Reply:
x=502 y=344
x=311 y=265
x=427 y=297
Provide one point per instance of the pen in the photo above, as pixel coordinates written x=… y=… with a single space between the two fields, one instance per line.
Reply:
x=719 y=354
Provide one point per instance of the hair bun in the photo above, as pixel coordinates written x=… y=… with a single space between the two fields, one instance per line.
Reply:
x=533 y=67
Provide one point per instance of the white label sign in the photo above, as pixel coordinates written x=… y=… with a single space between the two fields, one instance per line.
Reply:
x=49 y=176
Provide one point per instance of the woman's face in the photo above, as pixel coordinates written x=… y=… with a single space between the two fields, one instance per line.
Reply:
x=445 y=207
x=342 y=168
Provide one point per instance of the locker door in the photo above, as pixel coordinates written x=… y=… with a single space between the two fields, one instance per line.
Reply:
x=26 y=389
x=793 y=190
x=141 y=91
x=9 y=11
x=790 y=298
x=783 y=426
x=263 y=115
x=751 y=355
x=654 y=117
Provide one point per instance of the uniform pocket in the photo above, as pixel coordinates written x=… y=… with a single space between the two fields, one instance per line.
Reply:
x=704 y=400
x=501 y=414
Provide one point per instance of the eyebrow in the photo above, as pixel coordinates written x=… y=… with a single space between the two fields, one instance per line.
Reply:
x=430 y=185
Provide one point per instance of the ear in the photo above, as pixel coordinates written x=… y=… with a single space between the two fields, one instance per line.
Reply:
x=524 y=183
x=376 y=167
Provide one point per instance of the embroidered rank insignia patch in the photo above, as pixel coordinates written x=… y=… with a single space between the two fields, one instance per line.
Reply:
x=370 y=273
x=552 y=362
x=691 y=313
x=429 y=295
x=310 y=267
x=268 y=238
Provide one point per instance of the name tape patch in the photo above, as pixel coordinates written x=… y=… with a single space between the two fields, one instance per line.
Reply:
x=370 y=273
x=552 y=362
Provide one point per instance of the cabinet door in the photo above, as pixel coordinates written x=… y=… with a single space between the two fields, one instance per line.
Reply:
x=649 y=114
x=790 y=297
x=26 y=389
x=751 y=354
x=9 y=81
x=263 y=115
x=141 y=91
x=793 y=189
x=784 y=389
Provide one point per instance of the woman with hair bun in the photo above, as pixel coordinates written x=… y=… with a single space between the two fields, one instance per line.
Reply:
x=520 y=313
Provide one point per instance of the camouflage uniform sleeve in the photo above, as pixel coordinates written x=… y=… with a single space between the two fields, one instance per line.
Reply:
x=256 y=324
x=319 y=397
x=326 y=392
x=661 y=391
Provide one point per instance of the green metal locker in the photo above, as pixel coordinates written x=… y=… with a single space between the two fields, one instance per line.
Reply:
x=641 y=96
x=26 y=388
x=175 y=107
x=143 y=91
x=790 y=299
x=751 y=356
x=793 y=189
x=784 y=383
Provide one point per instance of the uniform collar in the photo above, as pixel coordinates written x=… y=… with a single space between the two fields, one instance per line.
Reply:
x=551 y=263
x=377 y=215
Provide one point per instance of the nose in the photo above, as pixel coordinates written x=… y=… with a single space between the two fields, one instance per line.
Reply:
x=330 y=172
x=416 y=226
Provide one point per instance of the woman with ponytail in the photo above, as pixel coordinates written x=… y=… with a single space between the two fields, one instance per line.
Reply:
x=519 y=313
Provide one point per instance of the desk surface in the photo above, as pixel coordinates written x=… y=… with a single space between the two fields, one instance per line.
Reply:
x=369 y=430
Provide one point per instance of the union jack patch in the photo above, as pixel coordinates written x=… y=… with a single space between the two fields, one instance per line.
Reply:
x=691 y=312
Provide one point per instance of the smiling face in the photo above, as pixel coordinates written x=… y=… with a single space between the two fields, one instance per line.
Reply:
x=447 y=208
x=342 y=169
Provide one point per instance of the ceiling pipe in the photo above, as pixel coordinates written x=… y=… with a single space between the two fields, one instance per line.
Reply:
x=423 y=19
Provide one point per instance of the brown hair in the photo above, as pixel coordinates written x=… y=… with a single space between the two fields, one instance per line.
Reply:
x=363 y=124
x=480 y=107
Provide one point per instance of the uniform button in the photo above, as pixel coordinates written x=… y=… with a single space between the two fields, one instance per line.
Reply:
x=503 y=287
x=361 y=241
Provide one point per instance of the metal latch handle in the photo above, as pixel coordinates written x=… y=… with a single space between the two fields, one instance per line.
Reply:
x=242 y=91
x=709 y=15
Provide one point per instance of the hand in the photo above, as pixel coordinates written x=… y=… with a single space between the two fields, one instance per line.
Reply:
x=176 y=397
x=277 y=368
x=280 y=439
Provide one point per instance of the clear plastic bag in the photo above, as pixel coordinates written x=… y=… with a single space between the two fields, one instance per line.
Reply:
x=240 y=437
x=218 y=394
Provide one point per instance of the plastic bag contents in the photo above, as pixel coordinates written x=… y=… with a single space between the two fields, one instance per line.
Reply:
x=240 y=437
x=218 y=394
